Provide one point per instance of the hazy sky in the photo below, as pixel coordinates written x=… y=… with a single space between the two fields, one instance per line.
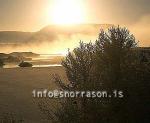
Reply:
x=32 y=15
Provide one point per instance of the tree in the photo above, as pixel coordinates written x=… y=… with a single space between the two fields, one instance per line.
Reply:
x=113 y=51
x=120 y=68
x=110 y=64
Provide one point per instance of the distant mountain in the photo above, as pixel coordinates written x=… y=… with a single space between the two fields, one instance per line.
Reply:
x=52 y=38
x=14 y=36
x=49 y=33
x=69 y=29
x=24 y=54
x=17 y=56
x=52 y=32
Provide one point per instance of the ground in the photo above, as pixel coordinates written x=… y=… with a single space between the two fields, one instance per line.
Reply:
x=16 y=86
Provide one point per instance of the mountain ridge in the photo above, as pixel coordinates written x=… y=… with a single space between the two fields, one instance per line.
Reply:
x=47 y=32
x=49 y=39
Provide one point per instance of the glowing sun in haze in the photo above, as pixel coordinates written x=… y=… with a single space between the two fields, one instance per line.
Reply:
x=67 y=12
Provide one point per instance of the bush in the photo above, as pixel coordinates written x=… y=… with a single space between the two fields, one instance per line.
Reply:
x=109 y=64
x=25 y=64
x=1 y=63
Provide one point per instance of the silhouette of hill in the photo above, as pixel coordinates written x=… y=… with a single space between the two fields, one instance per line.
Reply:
x=17 y=56
x=14 y=36
x=49 y=33
x=52 y=32
x=50 y=36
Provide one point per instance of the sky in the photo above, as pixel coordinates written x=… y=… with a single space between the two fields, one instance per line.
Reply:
x=32 y=15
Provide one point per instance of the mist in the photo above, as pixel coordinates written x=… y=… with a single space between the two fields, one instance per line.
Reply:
x=57 y=39
x=54 y=40
x=141 y=30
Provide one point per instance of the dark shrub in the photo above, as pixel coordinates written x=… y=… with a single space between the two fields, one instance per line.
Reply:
x=1 y=63
x=25 y=64
x=108 y=64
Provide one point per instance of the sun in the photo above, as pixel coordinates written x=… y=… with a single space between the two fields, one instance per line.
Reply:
x=67 y=12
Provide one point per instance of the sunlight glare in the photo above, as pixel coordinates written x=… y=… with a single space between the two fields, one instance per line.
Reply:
x=67 y=12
